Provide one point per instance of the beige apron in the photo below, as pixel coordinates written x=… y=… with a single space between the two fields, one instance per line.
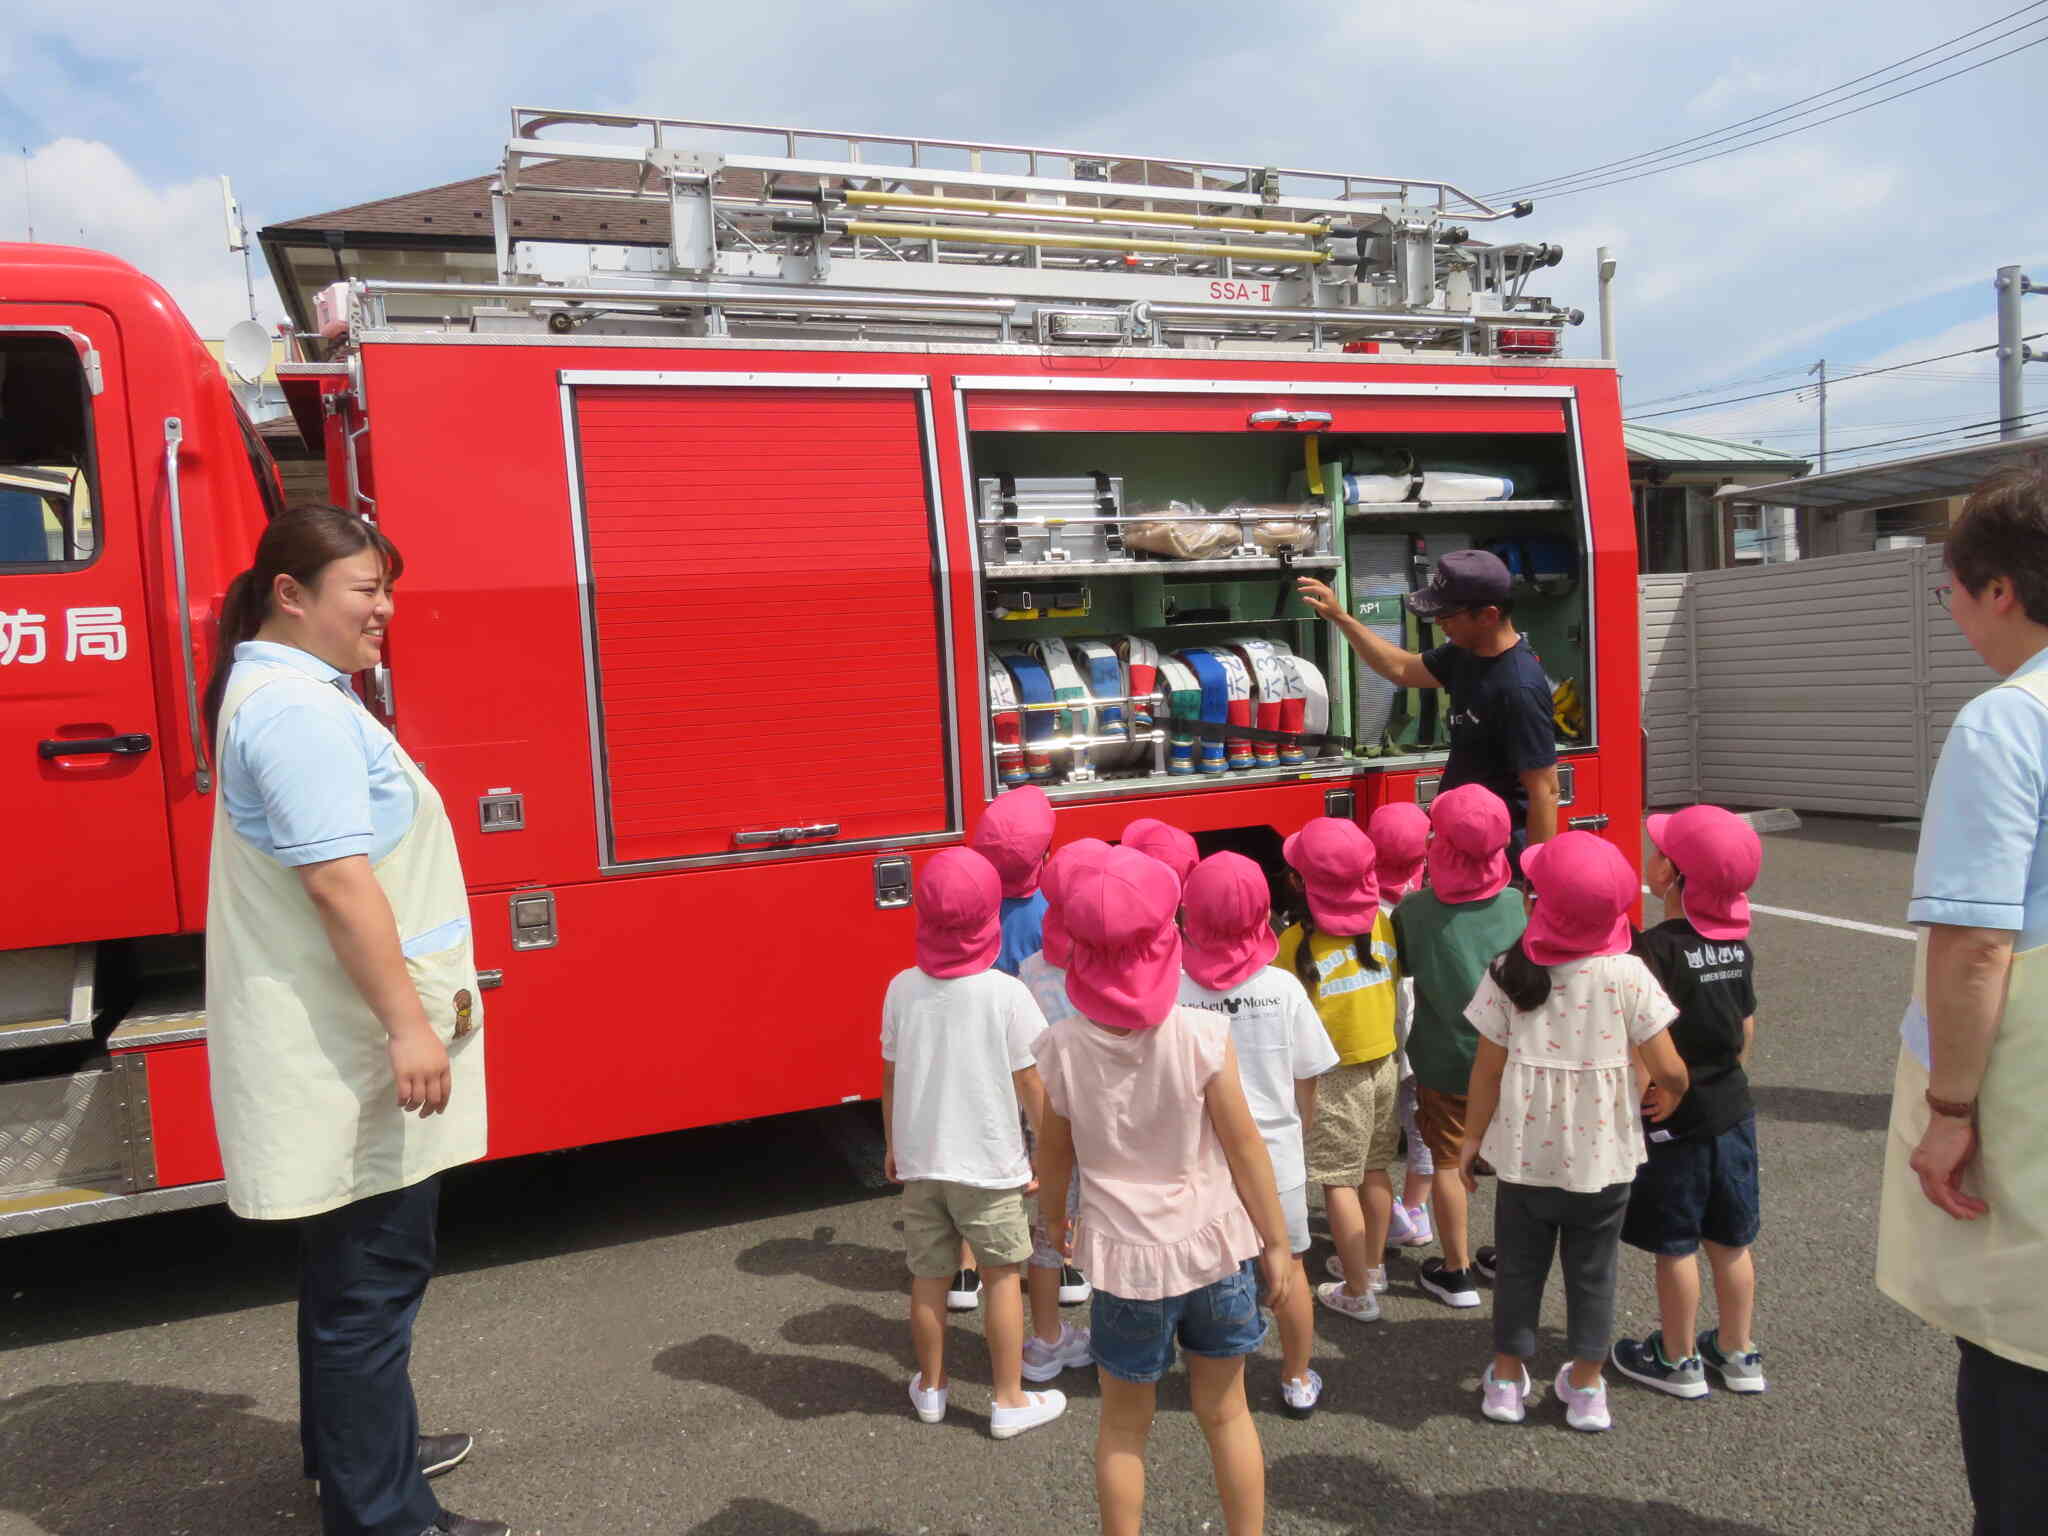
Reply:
x=1984 y=1280
x=303 y=1097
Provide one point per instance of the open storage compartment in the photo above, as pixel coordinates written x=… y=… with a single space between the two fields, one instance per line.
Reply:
x=1139 y=619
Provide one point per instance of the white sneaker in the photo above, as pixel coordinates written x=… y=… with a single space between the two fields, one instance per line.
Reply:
x=1074 y=1286
x=1584 y=1407
x=964 y=1295
x=1043 y=1361
x=1363 y=1309
x=930 y=1403
x=1501 y=1401
x=1298 y=1397
x=1039 y=1408
x=1375 y=1278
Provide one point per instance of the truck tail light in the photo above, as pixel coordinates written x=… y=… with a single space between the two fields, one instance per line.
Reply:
x=1529 y=342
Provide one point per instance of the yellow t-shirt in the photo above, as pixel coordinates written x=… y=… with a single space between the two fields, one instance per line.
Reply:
x=1355 y=1003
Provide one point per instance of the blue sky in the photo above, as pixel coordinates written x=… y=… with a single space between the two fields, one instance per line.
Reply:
x=1867 y=241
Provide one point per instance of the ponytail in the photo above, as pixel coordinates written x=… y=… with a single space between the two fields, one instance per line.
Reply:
x=300 y=542
x=1304 y=962
x=1526 y=983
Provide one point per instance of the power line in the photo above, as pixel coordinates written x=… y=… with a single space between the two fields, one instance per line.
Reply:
x=1615 y=181
x=1870 y=373
x=1716 y=135
x=1990 y=426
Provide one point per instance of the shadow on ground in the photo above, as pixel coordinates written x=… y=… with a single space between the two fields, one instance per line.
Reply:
x=1823 y=1106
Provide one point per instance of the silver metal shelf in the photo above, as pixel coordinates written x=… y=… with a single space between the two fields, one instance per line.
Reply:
x=1055 y=569
x=1370 y=510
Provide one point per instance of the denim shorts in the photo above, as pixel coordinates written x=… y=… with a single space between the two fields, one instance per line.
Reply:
x=1133 y=1340
x=1695 y=1188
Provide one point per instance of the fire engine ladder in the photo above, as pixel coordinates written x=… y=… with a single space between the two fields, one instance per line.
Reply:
x=1073 y=246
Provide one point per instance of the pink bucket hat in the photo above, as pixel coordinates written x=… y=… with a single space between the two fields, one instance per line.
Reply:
x=1126 y=951
x=1468 y=859
x=1335 y=860
x=1013 y=835
x=1584 y=889
x=1066 y=859
x=959 y=923
x=1400 y=836
x=1720 y=856
x=1229 y=932
x=1164 y=842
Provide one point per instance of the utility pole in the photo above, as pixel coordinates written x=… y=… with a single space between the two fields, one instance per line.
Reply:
x=1821 y=368
x=2013 y=354
x=1606 y=268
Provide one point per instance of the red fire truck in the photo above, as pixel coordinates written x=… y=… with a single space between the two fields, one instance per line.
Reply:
x=738 y=583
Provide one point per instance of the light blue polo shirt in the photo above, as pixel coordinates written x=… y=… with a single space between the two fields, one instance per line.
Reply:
x=1983 y=859
x=310 y=775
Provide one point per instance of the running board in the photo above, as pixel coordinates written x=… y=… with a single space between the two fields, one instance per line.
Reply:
x=47 y=995
x=52 y=1210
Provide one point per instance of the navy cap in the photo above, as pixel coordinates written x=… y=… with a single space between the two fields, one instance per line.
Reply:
x=1465 y=578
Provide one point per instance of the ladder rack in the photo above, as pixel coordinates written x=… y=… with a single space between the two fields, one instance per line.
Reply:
x=802 y=231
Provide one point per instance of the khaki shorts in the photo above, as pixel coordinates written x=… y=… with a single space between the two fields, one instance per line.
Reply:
x=1357 y=1128
x=1442 y=1119
x=938 y=1215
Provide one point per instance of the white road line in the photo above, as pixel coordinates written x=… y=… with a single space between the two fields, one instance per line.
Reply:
x=1832 y=922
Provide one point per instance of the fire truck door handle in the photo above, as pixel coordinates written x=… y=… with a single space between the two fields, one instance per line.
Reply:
x=1587 y=823
x=202 y=774
x=1285 y=418
x=133 y=745
x=779 y=835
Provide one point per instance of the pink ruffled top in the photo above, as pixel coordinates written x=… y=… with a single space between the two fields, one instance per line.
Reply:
x=1160 y=1215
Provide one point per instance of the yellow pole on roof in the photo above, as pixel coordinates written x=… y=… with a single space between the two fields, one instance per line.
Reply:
x=1065 y=210
x=965 y=234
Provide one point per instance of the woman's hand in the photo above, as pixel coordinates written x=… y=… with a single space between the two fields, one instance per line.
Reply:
x=419 y=1062
x=1276 y=1269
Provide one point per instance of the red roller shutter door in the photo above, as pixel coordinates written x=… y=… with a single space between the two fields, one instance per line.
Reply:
x=765 y=616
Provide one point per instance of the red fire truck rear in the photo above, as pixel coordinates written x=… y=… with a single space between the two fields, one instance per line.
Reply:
x=739 y=583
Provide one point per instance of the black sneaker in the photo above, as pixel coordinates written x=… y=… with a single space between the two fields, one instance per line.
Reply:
x=444 y=1453
x=1074 y=1286
x=452 y=1524
x=1452 y=1287
x=965 y=1292
x=1643 y=1360
x=1487 y=1262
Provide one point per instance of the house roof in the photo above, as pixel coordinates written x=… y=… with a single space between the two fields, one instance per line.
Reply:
x=458 y=213
x=1689 y=450
x=1926 y=477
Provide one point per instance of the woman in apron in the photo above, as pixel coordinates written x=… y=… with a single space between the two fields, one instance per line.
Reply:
x=344 y=1030
x=1963 y=1222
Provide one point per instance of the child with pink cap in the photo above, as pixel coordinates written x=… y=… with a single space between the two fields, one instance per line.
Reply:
x=1178 y=1197
x=1552 y=1106
x=1399 y=832
x=1164 y=842
x=1227 y=949
x=1015 y=834
x=1049 y=1281
x=957 y=1039
x=1699 y=1187
x=1342 y=951
x=1448 y=933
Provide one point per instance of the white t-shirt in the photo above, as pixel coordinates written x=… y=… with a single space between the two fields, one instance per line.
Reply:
x=1279 y=1039
x=955 y=1044
x=1048 y=984
x=1568 y=1116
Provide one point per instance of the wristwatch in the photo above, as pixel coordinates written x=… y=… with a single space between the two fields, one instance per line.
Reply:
x=1953 y=1109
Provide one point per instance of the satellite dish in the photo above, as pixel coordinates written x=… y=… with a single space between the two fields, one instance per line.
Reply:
x=247 y=350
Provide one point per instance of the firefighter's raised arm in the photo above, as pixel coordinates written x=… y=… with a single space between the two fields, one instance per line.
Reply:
x=1402 y=668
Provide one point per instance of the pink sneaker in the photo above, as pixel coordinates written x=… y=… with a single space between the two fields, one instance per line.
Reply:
x=1501 y=1401
x=1421 y=1233
x=1584 y=1407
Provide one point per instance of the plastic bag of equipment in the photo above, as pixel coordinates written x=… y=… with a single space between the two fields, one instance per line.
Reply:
x=1274 y=526
x=1150 y=531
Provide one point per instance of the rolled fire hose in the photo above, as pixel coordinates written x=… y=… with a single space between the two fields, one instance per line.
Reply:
x=1067 y=688
x=1183 y=702
x=1141 y=667
x=1315 y=714
x=1033 y=687
x=1238 y=709
x=1281 y=701
x=1104 y=675
x=1215 y=680
x=1006 y=724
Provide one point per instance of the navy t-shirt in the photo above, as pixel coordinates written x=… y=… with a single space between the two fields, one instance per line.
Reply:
x=1713 y=986
x=1502 y=721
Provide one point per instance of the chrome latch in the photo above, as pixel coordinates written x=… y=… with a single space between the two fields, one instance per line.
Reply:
x=1340 y=803
x=1426 y=788
x=533 y=920
x=892 y=881
x=501 y=811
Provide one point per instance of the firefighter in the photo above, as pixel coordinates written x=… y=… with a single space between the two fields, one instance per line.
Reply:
x=1503 y=719
x=343 y=1021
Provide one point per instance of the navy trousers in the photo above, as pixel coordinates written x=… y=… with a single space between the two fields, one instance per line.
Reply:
x=2002 y=1410
x=363 y=1270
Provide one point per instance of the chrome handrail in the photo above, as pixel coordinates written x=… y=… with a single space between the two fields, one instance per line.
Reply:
x=174 y=435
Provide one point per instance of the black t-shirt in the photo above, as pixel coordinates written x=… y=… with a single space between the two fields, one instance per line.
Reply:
x=1502 y=721
x=1713 y=987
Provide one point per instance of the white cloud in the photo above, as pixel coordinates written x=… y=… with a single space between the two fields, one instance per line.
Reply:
x=84 y=193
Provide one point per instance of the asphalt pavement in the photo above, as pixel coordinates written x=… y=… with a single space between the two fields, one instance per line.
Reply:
x=705 y=1333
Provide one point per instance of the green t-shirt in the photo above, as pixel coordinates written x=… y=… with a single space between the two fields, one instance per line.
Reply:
x=1446 y=947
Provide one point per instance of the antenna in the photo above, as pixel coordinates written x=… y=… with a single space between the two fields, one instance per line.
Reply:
x=28 y=196
x=238 y=240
